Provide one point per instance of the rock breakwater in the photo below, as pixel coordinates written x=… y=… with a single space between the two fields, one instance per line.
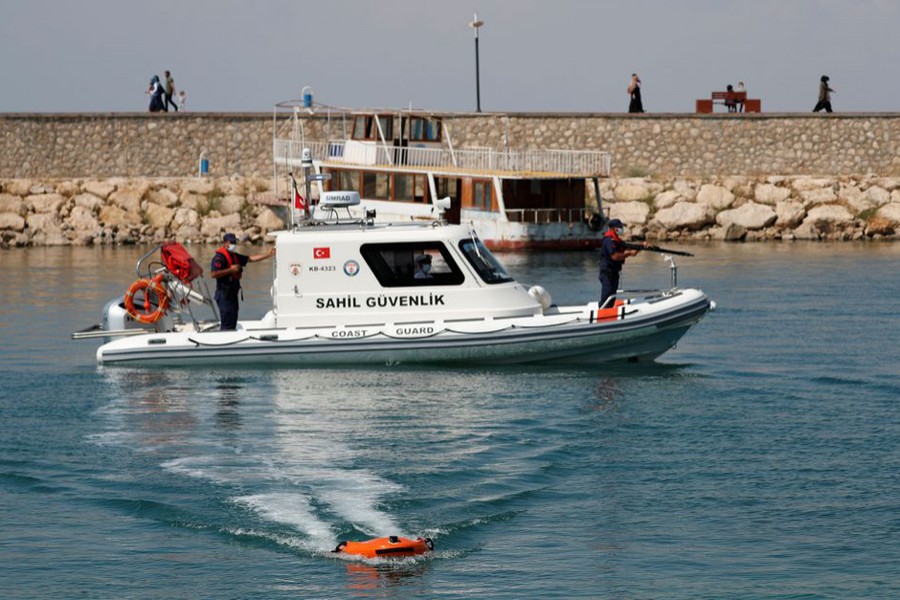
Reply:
x=119 y=210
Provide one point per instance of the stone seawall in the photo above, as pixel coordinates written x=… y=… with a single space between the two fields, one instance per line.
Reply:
x=672 y=145
x=131 y=178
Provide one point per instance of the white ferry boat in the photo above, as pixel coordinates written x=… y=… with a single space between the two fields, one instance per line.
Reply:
x=402 y=161
x=348 y=291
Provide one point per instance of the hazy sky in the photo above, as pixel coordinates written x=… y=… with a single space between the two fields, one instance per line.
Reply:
x=536 y=55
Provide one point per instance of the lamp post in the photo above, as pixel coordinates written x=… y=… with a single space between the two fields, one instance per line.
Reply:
x=476 y=24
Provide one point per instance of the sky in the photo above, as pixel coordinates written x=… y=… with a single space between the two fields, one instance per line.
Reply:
x=534 y=55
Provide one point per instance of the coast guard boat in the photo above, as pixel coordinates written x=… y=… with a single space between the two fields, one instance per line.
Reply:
x=354 y=291
x=400 y=161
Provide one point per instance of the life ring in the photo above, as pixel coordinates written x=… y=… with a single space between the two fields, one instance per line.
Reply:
x=147 y=286
x=386 y=547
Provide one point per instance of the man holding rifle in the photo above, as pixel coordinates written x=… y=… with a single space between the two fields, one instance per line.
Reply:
x=613 y=253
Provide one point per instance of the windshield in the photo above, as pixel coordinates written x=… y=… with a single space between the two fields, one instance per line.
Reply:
x=487 y=266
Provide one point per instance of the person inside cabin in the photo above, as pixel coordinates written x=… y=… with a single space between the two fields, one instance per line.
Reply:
x=423 y=267
x=613 y=253
x=227 y=267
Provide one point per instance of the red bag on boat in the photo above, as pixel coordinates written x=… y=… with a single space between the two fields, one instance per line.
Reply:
x=181 y=264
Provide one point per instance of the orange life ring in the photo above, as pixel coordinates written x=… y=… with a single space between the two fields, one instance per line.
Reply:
x=387 y=547
x=147 y=285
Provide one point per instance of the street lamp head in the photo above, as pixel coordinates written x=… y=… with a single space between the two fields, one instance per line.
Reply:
x=475 y=24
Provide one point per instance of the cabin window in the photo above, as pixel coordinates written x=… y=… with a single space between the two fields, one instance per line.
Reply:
x=345 y=181
x=394 y=265
x=422 y=129
x=484 y=263
x=482 y=195
x=376 y=186
x=410 y=188
x=365 y=127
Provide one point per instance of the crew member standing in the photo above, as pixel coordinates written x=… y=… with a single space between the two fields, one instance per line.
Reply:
x=613 y=253
x=227 y=267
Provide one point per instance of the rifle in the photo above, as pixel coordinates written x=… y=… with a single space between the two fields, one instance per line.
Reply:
x=652 y=248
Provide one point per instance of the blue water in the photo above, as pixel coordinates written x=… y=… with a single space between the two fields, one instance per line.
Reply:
x=757 y=460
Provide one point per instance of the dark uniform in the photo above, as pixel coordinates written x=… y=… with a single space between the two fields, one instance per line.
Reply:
x=609 y=268
x=227 y=288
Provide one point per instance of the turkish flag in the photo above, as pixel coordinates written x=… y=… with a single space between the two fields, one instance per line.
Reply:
x=321 y=252
x=299 y=201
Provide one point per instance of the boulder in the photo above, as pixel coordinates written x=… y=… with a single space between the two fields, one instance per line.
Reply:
x=685 y=215
x=113 y=216
x=715 y=196
x=828 y=213
x=766 y=193
x=790 y=213
x=45 y=203
x=729 y=233
x=82 y=219
x=667 y=199
x=193 y=201
x=819 y=196
x=187 y=233
x=231 y=204
x=68 y=188
x=880 y=226
x=687 y=189
x=269 y=221
x=18 y=187
x=805 y=231
x=10 y=221
x=631 y=213
x=101 y=189
x=44 y=223
x=216 y=226
x=12 y=204
x=158 y=216
x=878 y=195
x=633 y=189
x=854 y=199
x=890 y=212
x=186 y=217
x=128 y=199
x=748 y=216
x=89 y=201
x=807 y=184
x=162 y=197
x=196 y=186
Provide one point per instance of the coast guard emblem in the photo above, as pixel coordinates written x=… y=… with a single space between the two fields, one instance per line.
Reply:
x=351 y=268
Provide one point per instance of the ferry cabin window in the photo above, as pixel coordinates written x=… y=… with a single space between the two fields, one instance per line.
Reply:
x=484 y=263
x=376 y=185
x=410 y=188
x=482 y=195
x=344 y=181
x=394 y=265
x=366 y=128
x=424 y=130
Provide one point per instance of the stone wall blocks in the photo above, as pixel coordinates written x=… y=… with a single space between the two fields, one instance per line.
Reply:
x=715 y=196
x=10 y=221
x=44 y=202
x=12 y=204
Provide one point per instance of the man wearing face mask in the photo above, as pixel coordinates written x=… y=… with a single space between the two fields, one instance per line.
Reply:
x=423 y=267
x=227 y=267
x=613 y=253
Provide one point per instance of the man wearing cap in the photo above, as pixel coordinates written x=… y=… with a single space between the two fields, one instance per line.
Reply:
x=423 y=267
x=613 y=253
x=227 y=266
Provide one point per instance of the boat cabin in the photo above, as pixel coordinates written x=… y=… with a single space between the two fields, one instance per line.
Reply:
x=358 y=273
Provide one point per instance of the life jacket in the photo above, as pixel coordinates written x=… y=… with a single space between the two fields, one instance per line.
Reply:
x=224 y=251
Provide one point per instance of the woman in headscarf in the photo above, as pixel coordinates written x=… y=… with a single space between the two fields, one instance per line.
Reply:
x=156 y=94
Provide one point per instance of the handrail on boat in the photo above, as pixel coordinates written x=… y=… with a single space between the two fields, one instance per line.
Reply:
x=575 y=163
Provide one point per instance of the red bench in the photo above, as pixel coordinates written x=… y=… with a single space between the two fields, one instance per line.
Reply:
x=705 y=106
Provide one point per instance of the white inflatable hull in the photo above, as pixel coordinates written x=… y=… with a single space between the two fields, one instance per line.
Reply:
x=572 y=335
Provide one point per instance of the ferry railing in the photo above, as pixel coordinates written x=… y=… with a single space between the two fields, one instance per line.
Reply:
x=546 y=215
x=584 y=163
